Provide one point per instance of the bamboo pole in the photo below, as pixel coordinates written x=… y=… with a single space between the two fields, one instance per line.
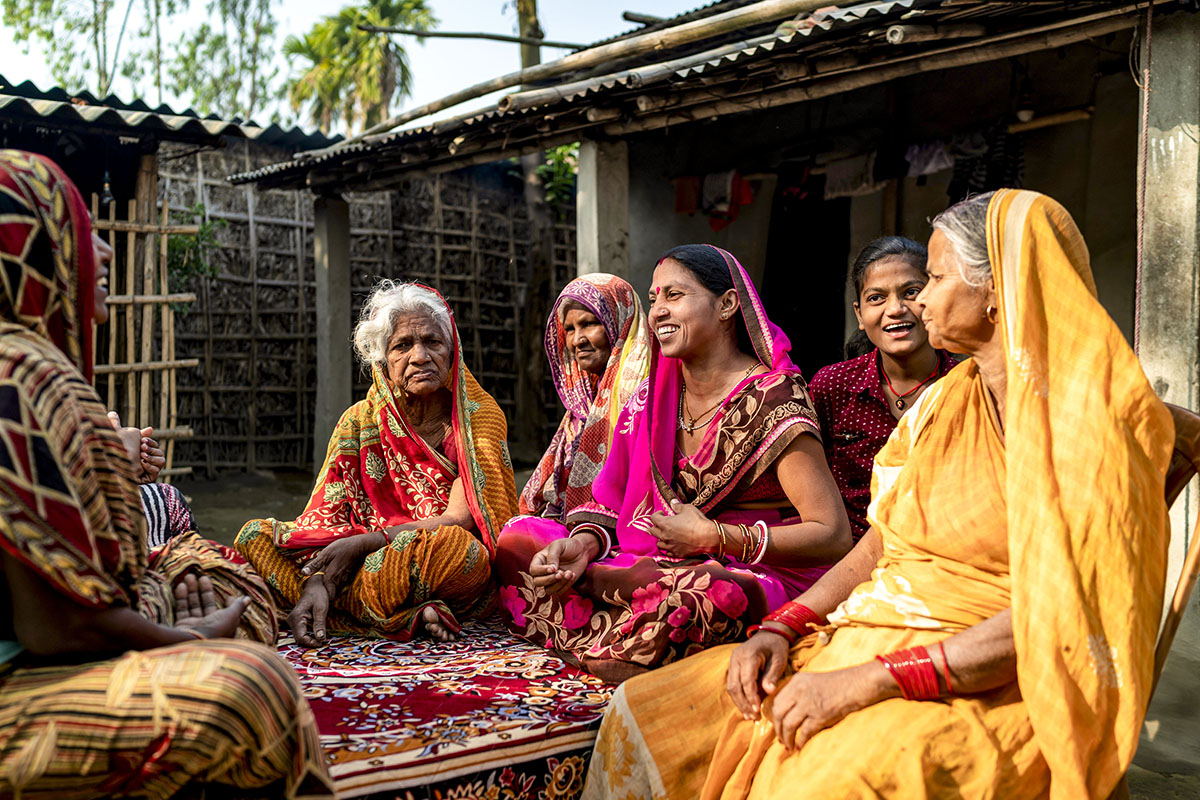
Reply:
x=128 y=407
x=302 y=344
x=495 y=37
x=762 y=12
x=133 y=368
x=147 y=203
x=174 y=432
x=252 y=445
x=166 y=411
x=113 y=279
x=139 y=299
x=635 y=78
x=976 y=54
x=119 y=226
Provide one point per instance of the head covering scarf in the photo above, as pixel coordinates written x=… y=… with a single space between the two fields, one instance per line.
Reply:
x=563 y=478
x=69 y=507
x=755 y=423
x=379 y=472
x=1088 y=445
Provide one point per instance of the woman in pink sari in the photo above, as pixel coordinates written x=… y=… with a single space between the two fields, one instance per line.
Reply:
x=714 y=505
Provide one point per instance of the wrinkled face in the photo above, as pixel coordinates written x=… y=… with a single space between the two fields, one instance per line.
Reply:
x=953 y=310
x=418 y=355
x=887 y=308
x=103 y=257
x=686 y=316
x=587 y=342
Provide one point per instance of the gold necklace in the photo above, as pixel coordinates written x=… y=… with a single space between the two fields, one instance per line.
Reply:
x=705 y=416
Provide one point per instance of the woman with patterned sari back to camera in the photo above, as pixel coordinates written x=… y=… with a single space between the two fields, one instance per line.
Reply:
x=118 y=673
x=714 y=503
x=993 y=634
x=397 y=538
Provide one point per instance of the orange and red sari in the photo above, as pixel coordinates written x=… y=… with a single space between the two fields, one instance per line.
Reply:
x=378 y=473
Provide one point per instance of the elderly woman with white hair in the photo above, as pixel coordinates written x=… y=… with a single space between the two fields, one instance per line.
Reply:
x=398 y=535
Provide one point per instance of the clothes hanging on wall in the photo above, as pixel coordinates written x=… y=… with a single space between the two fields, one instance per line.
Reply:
x=928 y=158
x=721 y=197
x=984 y=160
x=851 y=177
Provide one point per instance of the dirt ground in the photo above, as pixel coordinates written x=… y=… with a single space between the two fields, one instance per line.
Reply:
x=222 y=506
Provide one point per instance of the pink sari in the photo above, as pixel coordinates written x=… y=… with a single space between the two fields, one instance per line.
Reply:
x=637 y=609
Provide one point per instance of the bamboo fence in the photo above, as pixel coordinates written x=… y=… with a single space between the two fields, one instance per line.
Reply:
x=253 y=327
x=137 y=370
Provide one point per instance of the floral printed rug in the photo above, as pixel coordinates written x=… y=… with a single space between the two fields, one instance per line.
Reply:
x=489 y=716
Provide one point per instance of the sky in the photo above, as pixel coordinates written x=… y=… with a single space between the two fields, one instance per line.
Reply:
x=439 y=66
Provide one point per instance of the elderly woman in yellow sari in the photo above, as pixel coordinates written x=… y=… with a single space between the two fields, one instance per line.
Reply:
x=993 y=633
x=398 y=535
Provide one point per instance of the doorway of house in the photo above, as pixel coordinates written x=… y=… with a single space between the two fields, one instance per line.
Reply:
x=808 y=249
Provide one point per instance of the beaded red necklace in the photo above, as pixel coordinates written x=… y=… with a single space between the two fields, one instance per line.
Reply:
x=900 y=404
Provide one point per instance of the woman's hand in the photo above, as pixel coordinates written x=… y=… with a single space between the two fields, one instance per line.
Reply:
x=813 y=701
x=310 y=612
x=130 y=437
x=197 y=609
x=754 y=671
x=153 y=459
x=687 y=532
x=344 y=556
x=559 y=564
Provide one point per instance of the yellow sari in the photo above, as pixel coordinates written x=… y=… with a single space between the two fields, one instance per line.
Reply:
x=1061 y=518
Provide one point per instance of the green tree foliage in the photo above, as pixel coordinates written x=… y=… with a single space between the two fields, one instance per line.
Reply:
x=225 y=66
x=146 y=59
x=558 y=175
x=348 y=75
x=74 y=34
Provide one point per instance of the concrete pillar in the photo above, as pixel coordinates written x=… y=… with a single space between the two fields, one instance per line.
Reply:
x=1168 y=331
x=602 y=208
x=335 y=359
x=1109 y=221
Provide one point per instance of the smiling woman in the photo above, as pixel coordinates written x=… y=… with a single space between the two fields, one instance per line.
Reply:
x=859 y=401
x=397 y=537
x=714 y=501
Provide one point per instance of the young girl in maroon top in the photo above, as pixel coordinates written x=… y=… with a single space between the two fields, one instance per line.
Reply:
x=858 y=401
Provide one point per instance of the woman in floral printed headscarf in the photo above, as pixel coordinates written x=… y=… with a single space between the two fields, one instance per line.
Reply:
x=599 y=350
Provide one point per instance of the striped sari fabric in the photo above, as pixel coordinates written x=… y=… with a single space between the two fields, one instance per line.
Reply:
x=225 y=712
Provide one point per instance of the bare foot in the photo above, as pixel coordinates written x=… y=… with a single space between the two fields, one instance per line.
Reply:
x=434 y=626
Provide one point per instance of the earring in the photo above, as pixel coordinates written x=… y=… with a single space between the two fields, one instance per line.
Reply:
x=992 y=314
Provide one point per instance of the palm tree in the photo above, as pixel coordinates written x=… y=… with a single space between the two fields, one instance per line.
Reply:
x=320 y=85
x=350 y=75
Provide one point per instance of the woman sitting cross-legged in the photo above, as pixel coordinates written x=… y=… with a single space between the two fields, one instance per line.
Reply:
x=599 y=349
x=117 y=676
x=398 y=535
x=714 y=504
x=859 y=401
x=993 y=634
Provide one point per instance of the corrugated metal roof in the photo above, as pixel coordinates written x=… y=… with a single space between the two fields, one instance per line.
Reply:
x=57 y=105
x=817 y=47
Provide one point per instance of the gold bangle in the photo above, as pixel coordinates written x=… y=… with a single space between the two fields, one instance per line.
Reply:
x=720 y=539
x=315 y=574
